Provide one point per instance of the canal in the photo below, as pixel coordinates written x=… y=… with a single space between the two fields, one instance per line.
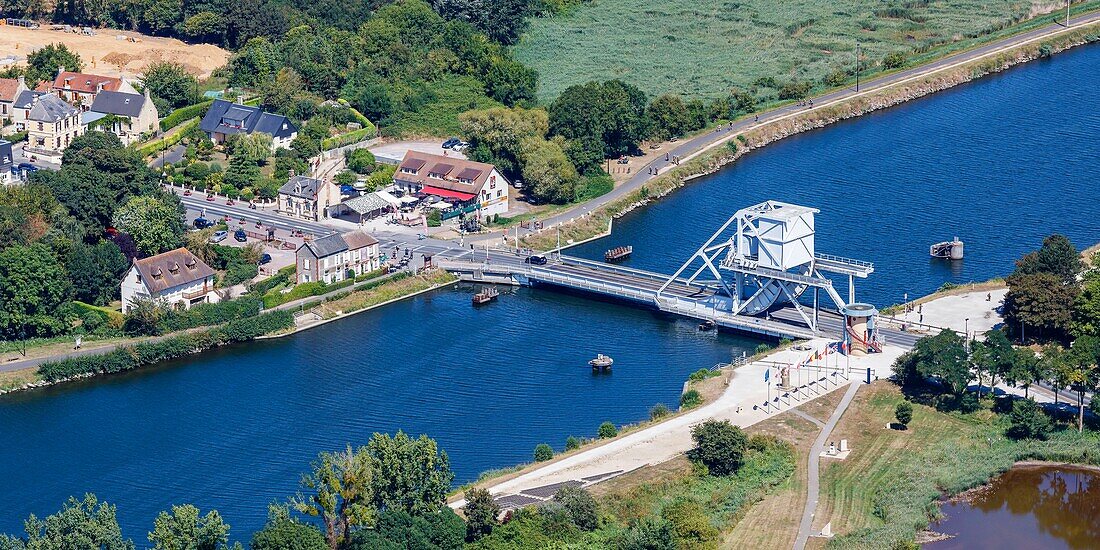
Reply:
x=1001 y=163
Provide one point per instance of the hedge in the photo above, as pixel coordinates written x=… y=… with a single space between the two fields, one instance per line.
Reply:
x=354 y=136
x=155 y=146
x=110 y=314
x=283 y=276
x=149 y=353
x=181 y=115
x=304 y=290
x=202 y=315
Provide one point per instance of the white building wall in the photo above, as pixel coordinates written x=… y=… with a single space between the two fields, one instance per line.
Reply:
x=133 y=288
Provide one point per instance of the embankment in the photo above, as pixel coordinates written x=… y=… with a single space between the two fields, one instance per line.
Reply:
x=599 y=221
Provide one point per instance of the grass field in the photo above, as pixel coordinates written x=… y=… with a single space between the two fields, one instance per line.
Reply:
x=703 y=48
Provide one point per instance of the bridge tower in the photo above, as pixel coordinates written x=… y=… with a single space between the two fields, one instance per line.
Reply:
x=763 y=257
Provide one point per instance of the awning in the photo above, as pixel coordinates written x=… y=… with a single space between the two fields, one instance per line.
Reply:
x=386 y=196
x=408 y=200
x=441 y=205
x=367 y=204
x=447 y=193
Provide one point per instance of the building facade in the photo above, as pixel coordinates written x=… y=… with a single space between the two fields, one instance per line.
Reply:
x=128 y=116
x=307 y=198
x=338 y=257
x=7 y=163
x=10 y=88
x=81 y=89
x=225 y=118
x=474 y=188
x=176 y=278
x=51 y=124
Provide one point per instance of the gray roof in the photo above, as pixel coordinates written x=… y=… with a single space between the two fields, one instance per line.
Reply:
x=225 y=117
x=50 y=108
x=327 y=246
x=118 y=103
x=302 y=187
x=5 y=154
x=25 y=98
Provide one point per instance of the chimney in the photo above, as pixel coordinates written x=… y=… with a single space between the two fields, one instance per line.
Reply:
x=147 y=98
x=240 y=99
x=22 y=82
x=98 y=87
x=60 y=70
x=291 y=173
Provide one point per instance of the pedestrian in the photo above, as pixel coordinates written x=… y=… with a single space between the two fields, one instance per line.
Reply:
x=666 y=157
x=757 y=119
x=79 y=339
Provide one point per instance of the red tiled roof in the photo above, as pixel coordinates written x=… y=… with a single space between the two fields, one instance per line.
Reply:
x=8 y=86
x=87 y=83
x=415 y=161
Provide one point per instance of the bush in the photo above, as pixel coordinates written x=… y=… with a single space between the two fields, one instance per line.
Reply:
x=1028 y=421
x=240 y=272
x=607 y=430
x=904 y=414
x=360 y=161
x=212 y=314
x=543 y=452
x=481 y=514
x=282 y=277
x=582 y=509
x=660 y=410
x=720 y=446
x=572 y=442
x=702 y=374
x=762 y=348
x=435 y=219
x=690 y=523
x=894 y=60
x=648 y=534
x=177 y=117
x=690 y=399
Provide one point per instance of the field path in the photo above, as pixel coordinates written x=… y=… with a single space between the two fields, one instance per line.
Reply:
x=714 y=138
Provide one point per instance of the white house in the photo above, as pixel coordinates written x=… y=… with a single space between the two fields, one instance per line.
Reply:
x=473 y=187
x=176 y=277
x=329 y=259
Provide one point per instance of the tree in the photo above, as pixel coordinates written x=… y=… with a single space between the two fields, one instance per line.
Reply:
x=86 y=524
x=795 y=89
x=205 y=26
x=397 y=529
x=669 y=115
x=548 y=174
x=1084 y=374
x=43 y=63
x=361 y=161
x=944 y=356
x=171 y=82
x=572 y=442
x=993 y=356
x=1086 y=308
x=543 y=452
x=345 y=177
x=144 y=316
x=160 y=16
x=242 y=172
x=511 y=82
x=184 y=529
x=95 y=272
x=612 y=112
x=1039 y=305
x=340 y=489
x=253 y=148
x=409 y=474
x=893 y=60
x=155 y=225
x=1056 y=256
x=281 y=532
x=1028 y=421
x=582 y=509
x=607 y=430
x=690 y=523
x=1026 y=369
x=719 y=445
x=904 y=414
x=481 y=514
x=33 y=289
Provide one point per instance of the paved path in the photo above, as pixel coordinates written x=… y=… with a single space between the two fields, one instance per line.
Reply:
x=708 y=140
x=813 y=486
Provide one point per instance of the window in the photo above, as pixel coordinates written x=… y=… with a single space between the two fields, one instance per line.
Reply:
x=39 y=126
x=305 y=265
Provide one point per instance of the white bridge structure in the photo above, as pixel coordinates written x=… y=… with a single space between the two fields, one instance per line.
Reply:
x=759 y=273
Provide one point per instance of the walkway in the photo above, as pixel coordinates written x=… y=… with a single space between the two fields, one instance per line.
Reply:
x=813 y=486
x=708 y=140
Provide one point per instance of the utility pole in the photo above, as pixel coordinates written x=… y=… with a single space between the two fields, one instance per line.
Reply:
x=1068 y=2
x=857 y=65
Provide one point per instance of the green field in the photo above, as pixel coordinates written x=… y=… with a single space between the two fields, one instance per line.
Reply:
x=703 y=48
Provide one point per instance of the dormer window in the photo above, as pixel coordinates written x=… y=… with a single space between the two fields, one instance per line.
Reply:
x=156 y=272
x=173 y=267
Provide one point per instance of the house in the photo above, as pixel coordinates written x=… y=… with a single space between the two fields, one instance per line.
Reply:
x=51 y=125
x=21 y=107
x=7 y=162
x=177 y=278
x=10 y=88
x=307 y=198
x=225 y=119
x=129 y=116
x=470 y=187
x=81 y=89
x=337 y=257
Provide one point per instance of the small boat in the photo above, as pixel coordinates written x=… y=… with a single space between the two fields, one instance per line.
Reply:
x=618 y=253
x=601 y=362
x=947 y=250
x=707 y=325
x=485 y=296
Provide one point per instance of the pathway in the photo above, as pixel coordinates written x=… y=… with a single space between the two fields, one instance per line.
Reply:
x=813 y=486
x=708 y=140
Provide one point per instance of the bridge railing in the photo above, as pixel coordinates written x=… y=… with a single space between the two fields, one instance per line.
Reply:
x=619 y=268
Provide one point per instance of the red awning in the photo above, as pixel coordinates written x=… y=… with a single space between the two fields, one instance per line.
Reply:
x=447 y=193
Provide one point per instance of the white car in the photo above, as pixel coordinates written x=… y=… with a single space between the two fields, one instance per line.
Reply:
x=219 y=236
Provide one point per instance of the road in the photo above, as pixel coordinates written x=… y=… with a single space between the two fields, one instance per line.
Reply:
x=703 y=142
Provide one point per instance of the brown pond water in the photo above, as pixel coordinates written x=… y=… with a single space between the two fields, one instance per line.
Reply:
x=1047 y=507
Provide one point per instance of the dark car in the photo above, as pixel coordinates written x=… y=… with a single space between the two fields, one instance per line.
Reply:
x=266 y=258
x=202 y=223
x=26 y=167
x=240 y=236
x=535 y=260
x=451 y=143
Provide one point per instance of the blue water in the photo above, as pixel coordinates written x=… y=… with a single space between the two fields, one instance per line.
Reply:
x=1001 y=163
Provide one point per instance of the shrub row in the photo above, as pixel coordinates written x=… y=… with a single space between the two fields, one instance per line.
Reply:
x=177 y=117
x=149 y=353
x=281 y=277
x=304 y=290
x=202 y=315
x=156 y=145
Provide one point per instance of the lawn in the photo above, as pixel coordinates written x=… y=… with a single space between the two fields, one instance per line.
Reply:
x=703 y=48
x=436 y=109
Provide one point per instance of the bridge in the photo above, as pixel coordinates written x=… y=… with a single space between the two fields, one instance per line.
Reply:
x=763 y=277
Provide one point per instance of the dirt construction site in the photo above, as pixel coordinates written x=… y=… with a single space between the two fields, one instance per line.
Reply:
x=112 y=52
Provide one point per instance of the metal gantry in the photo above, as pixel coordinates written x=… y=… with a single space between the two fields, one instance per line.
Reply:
x=764 y=256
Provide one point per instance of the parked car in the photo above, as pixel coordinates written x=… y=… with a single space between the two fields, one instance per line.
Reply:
x=535 y=260
x=240 y=236
x=202 y=223
x=219 y=236
x=451 y=143
x=462 y=146
x=266 y=258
